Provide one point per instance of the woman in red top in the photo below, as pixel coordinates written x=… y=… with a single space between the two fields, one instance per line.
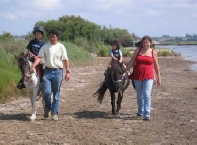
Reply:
x=144 y=62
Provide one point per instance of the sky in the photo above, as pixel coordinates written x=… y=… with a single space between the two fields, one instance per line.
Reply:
x=141 y=17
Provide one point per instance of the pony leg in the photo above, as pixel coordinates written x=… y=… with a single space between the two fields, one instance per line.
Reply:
x=33 y=104
x=120 y=96
x=113 y=103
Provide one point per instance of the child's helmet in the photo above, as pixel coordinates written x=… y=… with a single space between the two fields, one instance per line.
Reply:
x=115 y=42
x=38 y=28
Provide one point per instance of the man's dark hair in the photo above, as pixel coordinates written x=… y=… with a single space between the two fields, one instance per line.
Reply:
x=54 y=32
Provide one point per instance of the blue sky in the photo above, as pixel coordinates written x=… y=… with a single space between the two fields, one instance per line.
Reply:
x=142 y=17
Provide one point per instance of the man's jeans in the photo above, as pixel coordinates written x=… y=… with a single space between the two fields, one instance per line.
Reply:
x=143 y=89
x=52 y=81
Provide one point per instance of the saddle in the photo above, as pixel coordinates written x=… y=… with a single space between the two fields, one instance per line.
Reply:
x=40 y=71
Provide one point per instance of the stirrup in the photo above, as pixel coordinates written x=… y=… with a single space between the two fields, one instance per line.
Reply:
x=21 y=86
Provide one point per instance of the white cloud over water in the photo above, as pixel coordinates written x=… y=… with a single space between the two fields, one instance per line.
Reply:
x=153 y=17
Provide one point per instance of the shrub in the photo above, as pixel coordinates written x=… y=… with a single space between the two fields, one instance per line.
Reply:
x=103 y=51
x=166 y=52
x=126 y=52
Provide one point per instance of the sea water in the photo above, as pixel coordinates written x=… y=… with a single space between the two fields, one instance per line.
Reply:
x=188 y=52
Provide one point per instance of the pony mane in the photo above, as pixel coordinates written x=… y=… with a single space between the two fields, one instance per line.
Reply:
x=116 y=66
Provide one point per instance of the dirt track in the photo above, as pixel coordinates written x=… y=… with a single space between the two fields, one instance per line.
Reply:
x=83 y=120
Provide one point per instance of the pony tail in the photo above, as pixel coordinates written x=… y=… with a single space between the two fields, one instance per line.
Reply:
x=100 y=93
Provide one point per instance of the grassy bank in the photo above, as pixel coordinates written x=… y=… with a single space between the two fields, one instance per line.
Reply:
x=8 y=77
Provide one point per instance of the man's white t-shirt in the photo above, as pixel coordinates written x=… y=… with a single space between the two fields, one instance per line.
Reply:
x=53 y=55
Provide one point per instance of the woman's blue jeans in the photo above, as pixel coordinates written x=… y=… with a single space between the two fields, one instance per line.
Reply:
x=143 y=89
x=52 y=80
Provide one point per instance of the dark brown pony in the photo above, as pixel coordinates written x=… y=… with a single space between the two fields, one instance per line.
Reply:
x=115 y=83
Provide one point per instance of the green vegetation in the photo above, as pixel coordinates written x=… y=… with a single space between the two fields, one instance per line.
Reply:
x=160 y=52
x=179 y=43
x=166 y=52
x=77 y=56
x=75 y=29
x=103 y=51
x=8 y=77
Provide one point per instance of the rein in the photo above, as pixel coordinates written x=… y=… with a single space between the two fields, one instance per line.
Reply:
x=118 y=81
x=27 y=64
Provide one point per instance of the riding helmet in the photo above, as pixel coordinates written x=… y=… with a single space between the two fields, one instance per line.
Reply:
x=115 y=42
x=38 y=28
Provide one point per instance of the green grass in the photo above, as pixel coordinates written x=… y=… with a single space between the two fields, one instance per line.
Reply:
x=166 y=52
x=76 y=55
x=9 y=77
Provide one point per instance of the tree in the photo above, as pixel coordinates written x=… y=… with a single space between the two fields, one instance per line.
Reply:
x=6 y=35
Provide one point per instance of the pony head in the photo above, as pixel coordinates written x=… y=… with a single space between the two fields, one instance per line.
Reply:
x=23 y=65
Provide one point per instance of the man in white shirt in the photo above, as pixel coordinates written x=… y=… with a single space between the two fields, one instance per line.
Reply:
x=55 y=58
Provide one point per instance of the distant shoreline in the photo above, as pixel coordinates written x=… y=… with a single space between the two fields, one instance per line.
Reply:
x=174 y=44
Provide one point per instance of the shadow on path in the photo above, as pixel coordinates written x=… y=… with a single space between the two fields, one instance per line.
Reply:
x=20 y=117
x=102 y=115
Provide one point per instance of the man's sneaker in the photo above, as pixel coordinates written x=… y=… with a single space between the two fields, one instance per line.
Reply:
x=138 y=116
x=46 y=112
x=55 y=117
x=147 y=118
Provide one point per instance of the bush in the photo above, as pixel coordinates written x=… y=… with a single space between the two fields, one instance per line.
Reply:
x=82 y=42
x=126 y=52
x=13 y=46
x=77 y=55
x=103 y=51
x=166 y=52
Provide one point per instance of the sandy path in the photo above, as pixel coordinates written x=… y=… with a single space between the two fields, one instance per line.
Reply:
x=84 y=120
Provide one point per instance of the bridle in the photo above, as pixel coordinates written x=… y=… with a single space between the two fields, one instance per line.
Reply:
x=27 y=64
x=118 y=81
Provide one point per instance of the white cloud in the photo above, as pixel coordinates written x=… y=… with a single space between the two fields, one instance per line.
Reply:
x=15 y=15
x=48 y=5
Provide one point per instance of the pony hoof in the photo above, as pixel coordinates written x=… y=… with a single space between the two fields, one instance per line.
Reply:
x=33 y=117
x=114 y=113
x=117 y=111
